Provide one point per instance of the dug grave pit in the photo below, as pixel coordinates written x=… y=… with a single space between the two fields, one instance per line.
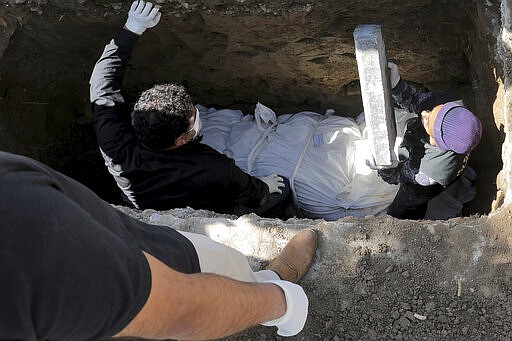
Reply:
x=291 y=56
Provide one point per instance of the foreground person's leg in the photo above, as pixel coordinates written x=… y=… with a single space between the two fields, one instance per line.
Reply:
x=291 y=264
x=223 y=260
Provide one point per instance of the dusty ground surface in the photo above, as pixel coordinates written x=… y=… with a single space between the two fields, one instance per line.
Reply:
x=380 y=278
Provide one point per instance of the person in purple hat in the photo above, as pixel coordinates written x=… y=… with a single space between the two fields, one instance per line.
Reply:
x=435 y=148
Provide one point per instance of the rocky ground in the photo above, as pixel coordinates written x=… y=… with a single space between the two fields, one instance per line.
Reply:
x=379 y=278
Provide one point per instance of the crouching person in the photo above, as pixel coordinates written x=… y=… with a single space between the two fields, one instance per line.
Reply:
x=154 y=151
x=435 y=148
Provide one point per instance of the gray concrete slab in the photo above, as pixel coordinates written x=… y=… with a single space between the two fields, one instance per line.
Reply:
x=376 y=93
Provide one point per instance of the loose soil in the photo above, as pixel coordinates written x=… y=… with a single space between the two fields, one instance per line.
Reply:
x=379 y=278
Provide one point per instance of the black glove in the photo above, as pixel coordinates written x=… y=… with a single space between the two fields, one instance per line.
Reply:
x=390 y=175
x=402 y=173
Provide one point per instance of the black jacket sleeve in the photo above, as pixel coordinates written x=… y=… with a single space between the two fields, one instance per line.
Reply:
x=408 y=97
x=114 y=132
x=416 y=99
x=250 y=191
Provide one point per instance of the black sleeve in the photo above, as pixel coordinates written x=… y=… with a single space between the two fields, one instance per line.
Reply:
x=408 y=97
x=248 y=190
x=416 y=99
x=114 y=132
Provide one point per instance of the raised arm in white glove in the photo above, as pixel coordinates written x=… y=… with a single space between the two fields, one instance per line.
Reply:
x=293 y=320
x=142 y=15
x=274 y=183
x=393 y=74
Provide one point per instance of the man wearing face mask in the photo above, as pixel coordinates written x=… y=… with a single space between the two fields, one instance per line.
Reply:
x=154 y=152
x=435 y=148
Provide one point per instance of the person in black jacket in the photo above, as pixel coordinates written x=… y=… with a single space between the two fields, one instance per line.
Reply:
x=435 y=148
x=154 y=152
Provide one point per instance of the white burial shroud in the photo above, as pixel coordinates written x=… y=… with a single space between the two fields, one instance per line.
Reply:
x=323 y=156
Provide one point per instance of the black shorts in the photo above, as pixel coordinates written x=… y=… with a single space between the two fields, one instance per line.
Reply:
x=71 y=266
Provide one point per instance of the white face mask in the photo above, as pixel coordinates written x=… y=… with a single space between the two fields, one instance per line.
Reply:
x=197 y=124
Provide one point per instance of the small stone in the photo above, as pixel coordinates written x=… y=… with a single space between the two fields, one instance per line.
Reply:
x=381 y=248
x=430 y=306
x=410 y=315
x=406 y=274
x=405 y=305
x=362 y=251
x=390 y=268
x=371 y=334
x=404 y=322
x=36 y=9
x=442 y=319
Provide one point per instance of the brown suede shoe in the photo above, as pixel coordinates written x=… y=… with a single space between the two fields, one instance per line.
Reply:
x=296 y=258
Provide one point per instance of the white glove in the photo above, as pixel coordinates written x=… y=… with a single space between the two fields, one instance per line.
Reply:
x=393 y=74
x=142 y=15
x=274 y=182
x=293 y=320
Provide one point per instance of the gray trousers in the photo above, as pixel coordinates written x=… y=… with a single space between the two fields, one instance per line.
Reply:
x=223 y=260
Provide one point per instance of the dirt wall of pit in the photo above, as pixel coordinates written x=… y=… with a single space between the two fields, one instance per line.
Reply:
x=289 y=55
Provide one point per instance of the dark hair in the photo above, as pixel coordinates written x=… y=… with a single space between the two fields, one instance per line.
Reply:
x=161 y=114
